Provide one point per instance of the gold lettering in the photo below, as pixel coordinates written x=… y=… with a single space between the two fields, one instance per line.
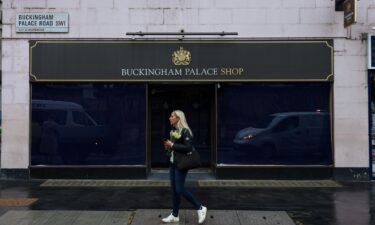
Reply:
x=231 y=71
x=241 y=70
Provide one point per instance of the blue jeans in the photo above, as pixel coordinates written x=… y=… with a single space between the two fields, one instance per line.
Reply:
x=178 y=178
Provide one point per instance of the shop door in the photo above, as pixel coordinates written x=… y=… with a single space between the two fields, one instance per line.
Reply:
x=197 y=102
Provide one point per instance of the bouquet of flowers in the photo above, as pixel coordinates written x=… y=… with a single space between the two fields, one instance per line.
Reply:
x=174 y=136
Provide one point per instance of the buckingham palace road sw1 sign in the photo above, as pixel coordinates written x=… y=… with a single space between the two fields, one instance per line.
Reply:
x=42 y=22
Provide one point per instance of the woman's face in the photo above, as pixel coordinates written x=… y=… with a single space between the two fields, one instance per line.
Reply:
x=173 y=119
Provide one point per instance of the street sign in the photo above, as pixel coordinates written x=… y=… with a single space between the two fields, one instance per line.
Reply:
x=350 y=12
x=42 y=22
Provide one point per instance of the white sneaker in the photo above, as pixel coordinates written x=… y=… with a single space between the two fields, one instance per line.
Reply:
x=170 y=219
x=202 y=214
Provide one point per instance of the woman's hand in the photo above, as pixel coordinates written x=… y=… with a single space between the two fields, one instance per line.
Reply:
x=168 y=144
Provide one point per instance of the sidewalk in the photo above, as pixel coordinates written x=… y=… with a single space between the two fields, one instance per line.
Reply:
x=143 y=217
x=28 y=202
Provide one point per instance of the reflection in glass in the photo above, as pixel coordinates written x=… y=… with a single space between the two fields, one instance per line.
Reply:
x=274 y=124
x=72 y=127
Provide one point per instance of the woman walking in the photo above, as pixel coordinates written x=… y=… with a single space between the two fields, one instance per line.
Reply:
x=181 y=140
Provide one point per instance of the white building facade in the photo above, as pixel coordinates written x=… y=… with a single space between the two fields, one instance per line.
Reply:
x=347 y=98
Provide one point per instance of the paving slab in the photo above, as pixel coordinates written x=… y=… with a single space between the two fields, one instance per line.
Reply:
x=264 y=217
x=12 y=217
x=153 y=216
x=35 y=218
x=59 y=217
x=63 y=217
x=214 y=217
x=117 y=218
x=89 y=217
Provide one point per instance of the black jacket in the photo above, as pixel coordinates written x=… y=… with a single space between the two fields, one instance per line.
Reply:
x=185 y=143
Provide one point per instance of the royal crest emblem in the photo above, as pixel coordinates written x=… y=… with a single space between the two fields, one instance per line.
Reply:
x=181 y=57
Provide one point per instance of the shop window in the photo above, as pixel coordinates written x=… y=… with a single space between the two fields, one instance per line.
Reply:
x=287 y=124
x=106 y=127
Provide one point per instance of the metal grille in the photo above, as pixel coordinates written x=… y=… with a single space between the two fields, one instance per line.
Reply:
x=201 y=183
x=105 y=183
x=270 y=183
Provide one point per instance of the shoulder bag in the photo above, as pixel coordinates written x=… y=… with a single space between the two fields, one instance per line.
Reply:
x=187 y=161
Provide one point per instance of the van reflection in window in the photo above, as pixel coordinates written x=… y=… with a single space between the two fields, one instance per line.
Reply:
x=64 y=129
x=295 y=136
x=49 y=139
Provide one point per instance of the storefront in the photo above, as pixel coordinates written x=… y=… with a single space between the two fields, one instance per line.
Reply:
x=258 y=109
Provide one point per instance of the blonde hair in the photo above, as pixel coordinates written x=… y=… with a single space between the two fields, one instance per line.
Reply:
x=182 y=123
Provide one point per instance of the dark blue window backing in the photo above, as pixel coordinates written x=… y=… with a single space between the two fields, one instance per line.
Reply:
x=372 y=51
x=274 y=124
x=88 y=124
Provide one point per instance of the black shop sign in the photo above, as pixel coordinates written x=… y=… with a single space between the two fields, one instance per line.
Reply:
x=203 y=61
